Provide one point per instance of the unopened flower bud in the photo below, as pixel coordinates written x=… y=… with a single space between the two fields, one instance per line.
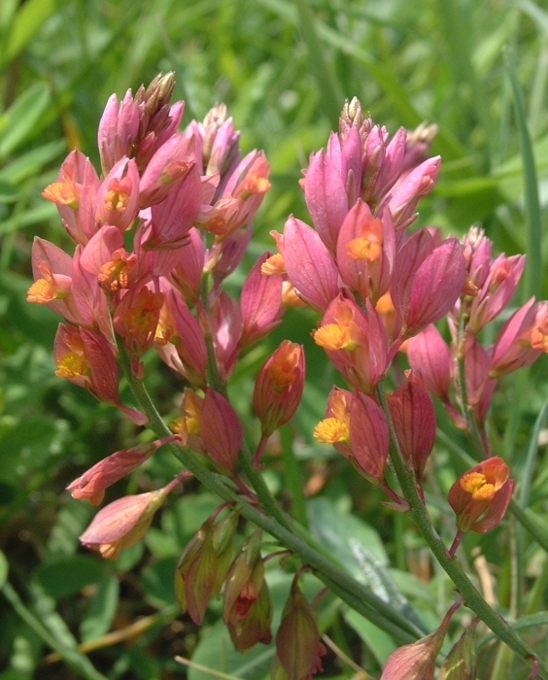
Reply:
x=298 y=645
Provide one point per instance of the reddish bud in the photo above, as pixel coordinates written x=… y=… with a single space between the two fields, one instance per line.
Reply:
x=92 y=484
x=279 y=387
x=221 y=431
x=298 y=644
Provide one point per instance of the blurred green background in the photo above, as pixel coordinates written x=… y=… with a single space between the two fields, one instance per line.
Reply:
x=284 y=69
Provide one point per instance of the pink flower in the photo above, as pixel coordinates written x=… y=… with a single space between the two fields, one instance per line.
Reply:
x=522 y=339
x=427 y=280
x=221 y=431
x=261 y=300
x=326 y=197
x=414 y=421
x=335 y=428
x=354 y=342
x=369 y=438
x=118 y=129
x=92 y=484
x=430 y=359
x=481 y=496
x=88 y=360
x=74 y=193
x=124 y=522
x=117 y=198
x=365 y=251
x=309 y=266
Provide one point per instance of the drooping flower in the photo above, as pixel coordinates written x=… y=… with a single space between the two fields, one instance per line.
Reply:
x=221 y=431
x=92 y=484
x=480 y=498
x=125 y=521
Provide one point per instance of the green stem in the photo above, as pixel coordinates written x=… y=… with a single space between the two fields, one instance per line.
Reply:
x=452 y=568
x=288 y=533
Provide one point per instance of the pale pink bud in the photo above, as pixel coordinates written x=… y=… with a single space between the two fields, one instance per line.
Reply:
x=225 y=322
x=326 y=198
x=407 y=191
x=414 y=421
x=118 y=129
x=92 y=484
x=221 y=431
x=309 y=266
x=430 y=359
x=124 y=522
x=261 y=303
x=369 y=438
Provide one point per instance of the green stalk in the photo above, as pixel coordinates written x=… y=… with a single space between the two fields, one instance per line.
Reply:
x=289 y=534
x=474 y=600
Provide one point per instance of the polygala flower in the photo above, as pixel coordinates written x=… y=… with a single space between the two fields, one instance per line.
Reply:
x=418 y=660
x=480 y=498
x=92 y=484
x=124 y=522
x=279 y=386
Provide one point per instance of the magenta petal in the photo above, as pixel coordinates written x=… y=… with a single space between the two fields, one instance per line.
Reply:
x=309 y=265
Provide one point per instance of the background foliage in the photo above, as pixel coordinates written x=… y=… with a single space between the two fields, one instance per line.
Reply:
x=284 y=69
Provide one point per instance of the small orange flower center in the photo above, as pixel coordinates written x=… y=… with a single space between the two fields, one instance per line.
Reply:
x=367 y=248
x=334 y=337
x=500 y=274
x=475 y=483
x=331 y=431
x=117 y=196
x=61 y=193
x=41 y=292
x=252 y=184
x=273 y=265
x=72 y=365
x=539 y=336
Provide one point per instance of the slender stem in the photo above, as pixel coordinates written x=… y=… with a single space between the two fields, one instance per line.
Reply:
x=473 y=598
x=289 y=534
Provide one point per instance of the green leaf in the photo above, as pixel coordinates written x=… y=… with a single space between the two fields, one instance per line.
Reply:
x=28 y=21
x=3 y=569
x=379 y=643
x=101 y=609
x=157 y=582
x=336 y=531
x=61 y=576
x=19 y=122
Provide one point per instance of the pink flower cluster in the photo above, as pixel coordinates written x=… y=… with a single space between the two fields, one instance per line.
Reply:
x=155 y=236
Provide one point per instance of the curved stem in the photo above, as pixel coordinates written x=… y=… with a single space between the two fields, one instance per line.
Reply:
x=474 y=600
x=289 y=534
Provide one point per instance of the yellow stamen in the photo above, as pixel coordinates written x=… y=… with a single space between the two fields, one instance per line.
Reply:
x=331 y=431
